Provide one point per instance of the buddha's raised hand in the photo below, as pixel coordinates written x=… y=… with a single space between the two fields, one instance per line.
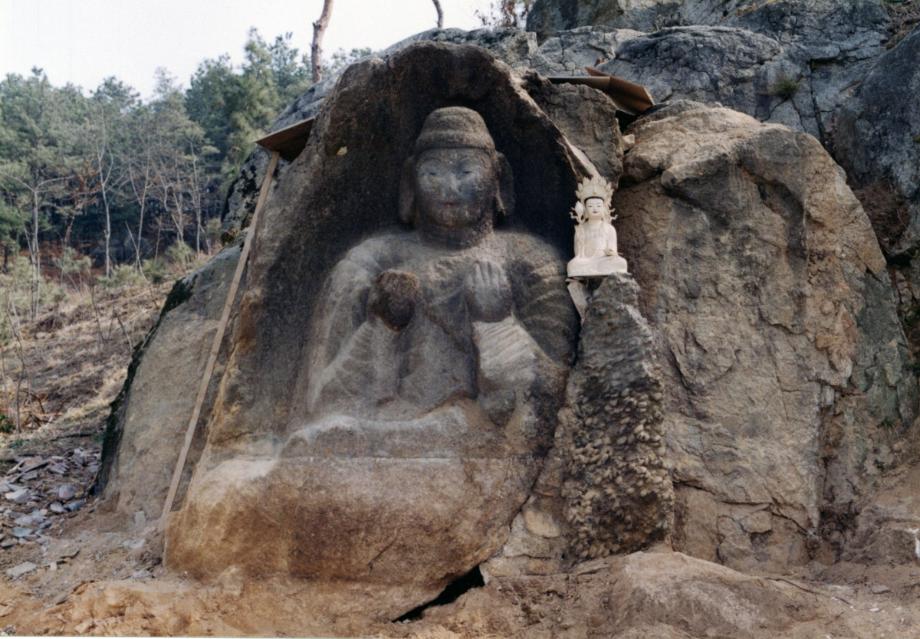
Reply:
x=488 y=292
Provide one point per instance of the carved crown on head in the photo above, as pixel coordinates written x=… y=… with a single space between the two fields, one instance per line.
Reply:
x=595 y=186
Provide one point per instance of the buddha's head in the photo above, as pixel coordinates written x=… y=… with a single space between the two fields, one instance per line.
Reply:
x=456 y=181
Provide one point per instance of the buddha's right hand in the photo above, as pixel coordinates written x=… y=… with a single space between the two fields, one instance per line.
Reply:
x=392 y=298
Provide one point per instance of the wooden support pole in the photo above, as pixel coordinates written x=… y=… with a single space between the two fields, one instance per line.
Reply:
x=215 y=347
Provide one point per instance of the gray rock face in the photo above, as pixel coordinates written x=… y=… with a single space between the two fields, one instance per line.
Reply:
x=731 y=66
x=148 y=425
x=779 y=338
x=838 y=24
x=587 y=118
x=878 y=141
x=793 y=62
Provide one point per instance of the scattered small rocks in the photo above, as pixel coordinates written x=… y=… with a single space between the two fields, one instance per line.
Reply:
x=22 y=569
x=38 y=490
x=19 y=496
x=75 y=505
x=66 y=492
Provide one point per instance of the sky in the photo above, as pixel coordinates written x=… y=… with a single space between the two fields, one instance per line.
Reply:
x=84 y=41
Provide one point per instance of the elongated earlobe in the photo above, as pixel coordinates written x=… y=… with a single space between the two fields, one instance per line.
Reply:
x=504 y=196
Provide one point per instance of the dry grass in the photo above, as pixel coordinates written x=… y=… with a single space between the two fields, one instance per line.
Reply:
x=60 y=372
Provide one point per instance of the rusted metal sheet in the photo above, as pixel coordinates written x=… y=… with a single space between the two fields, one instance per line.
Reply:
x=628 y=97
x=289 y=141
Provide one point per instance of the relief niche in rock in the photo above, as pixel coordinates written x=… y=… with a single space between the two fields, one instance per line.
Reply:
x=452 y=329
x=435 y=364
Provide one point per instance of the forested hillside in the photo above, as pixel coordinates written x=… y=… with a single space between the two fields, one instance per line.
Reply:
x=101 y=184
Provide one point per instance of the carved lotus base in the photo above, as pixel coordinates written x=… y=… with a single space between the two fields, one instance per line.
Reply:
x=596 y=266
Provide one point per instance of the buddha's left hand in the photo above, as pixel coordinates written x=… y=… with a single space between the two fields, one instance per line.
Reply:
x=488 y=292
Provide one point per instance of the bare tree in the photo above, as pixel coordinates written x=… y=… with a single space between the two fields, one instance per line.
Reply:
x=195 y=194
x=140 y=180
x=505 y=13
x=319 y=30
x=38 y=189
x=437 y=7
x=104 y=173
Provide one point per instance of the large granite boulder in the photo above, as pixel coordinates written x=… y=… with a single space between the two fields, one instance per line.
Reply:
x=788 y=383
x=150 y=415
x=346 y=448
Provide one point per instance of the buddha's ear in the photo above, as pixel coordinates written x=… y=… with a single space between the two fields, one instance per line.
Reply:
x=504 y=197
x=407 y=191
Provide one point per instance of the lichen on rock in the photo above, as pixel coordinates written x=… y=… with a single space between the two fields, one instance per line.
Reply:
x=616 y=487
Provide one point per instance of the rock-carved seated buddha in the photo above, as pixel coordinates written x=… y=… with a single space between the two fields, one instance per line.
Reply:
x=435 y=366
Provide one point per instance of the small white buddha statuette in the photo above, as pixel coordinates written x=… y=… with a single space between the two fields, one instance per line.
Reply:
x=595 y=238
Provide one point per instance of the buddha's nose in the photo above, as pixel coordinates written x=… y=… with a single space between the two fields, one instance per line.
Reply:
x=452 y=183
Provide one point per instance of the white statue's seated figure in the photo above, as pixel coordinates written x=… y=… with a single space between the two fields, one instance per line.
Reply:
x=595 y=238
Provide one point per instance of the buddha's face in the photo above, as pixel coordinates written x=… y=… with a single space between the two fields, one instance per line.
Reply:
x=595 y=209
x=455 y=189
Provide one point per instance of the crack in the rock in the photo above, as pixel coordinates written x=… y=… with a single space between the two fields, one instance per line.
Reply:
x=453 y=591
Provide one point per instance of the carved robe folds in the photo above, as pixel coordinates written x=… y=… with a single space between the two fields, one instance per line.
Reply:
x=418 y=446
x=445 y=371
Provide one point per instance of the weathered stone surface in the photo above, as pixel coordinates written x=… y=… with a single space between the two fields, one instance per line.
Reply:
x=569 y=52
x=794 y=62
x=887 y=531
x=877 y=140
x=604 y=488
x=617 y=491
x=295 y=480
x=734 y=67
x=588 y=118
x=784 y=362
x=644 y=595
x=837 y=24
x=147 y=427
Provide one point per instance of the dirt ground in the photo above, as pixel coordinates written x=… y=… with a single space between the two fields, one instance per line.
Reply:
x=71 y=567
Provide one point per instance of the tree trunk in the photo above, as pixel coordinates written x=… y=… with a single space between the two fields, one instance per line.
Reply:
x=316 y=51
x=36 y=258
x=437 y=7
x=108 y=233
x=141 y=198
x=140 y=235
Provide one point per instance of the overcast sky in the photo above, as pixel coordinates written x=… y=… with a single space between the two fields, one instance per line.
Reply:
x=84 y=41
